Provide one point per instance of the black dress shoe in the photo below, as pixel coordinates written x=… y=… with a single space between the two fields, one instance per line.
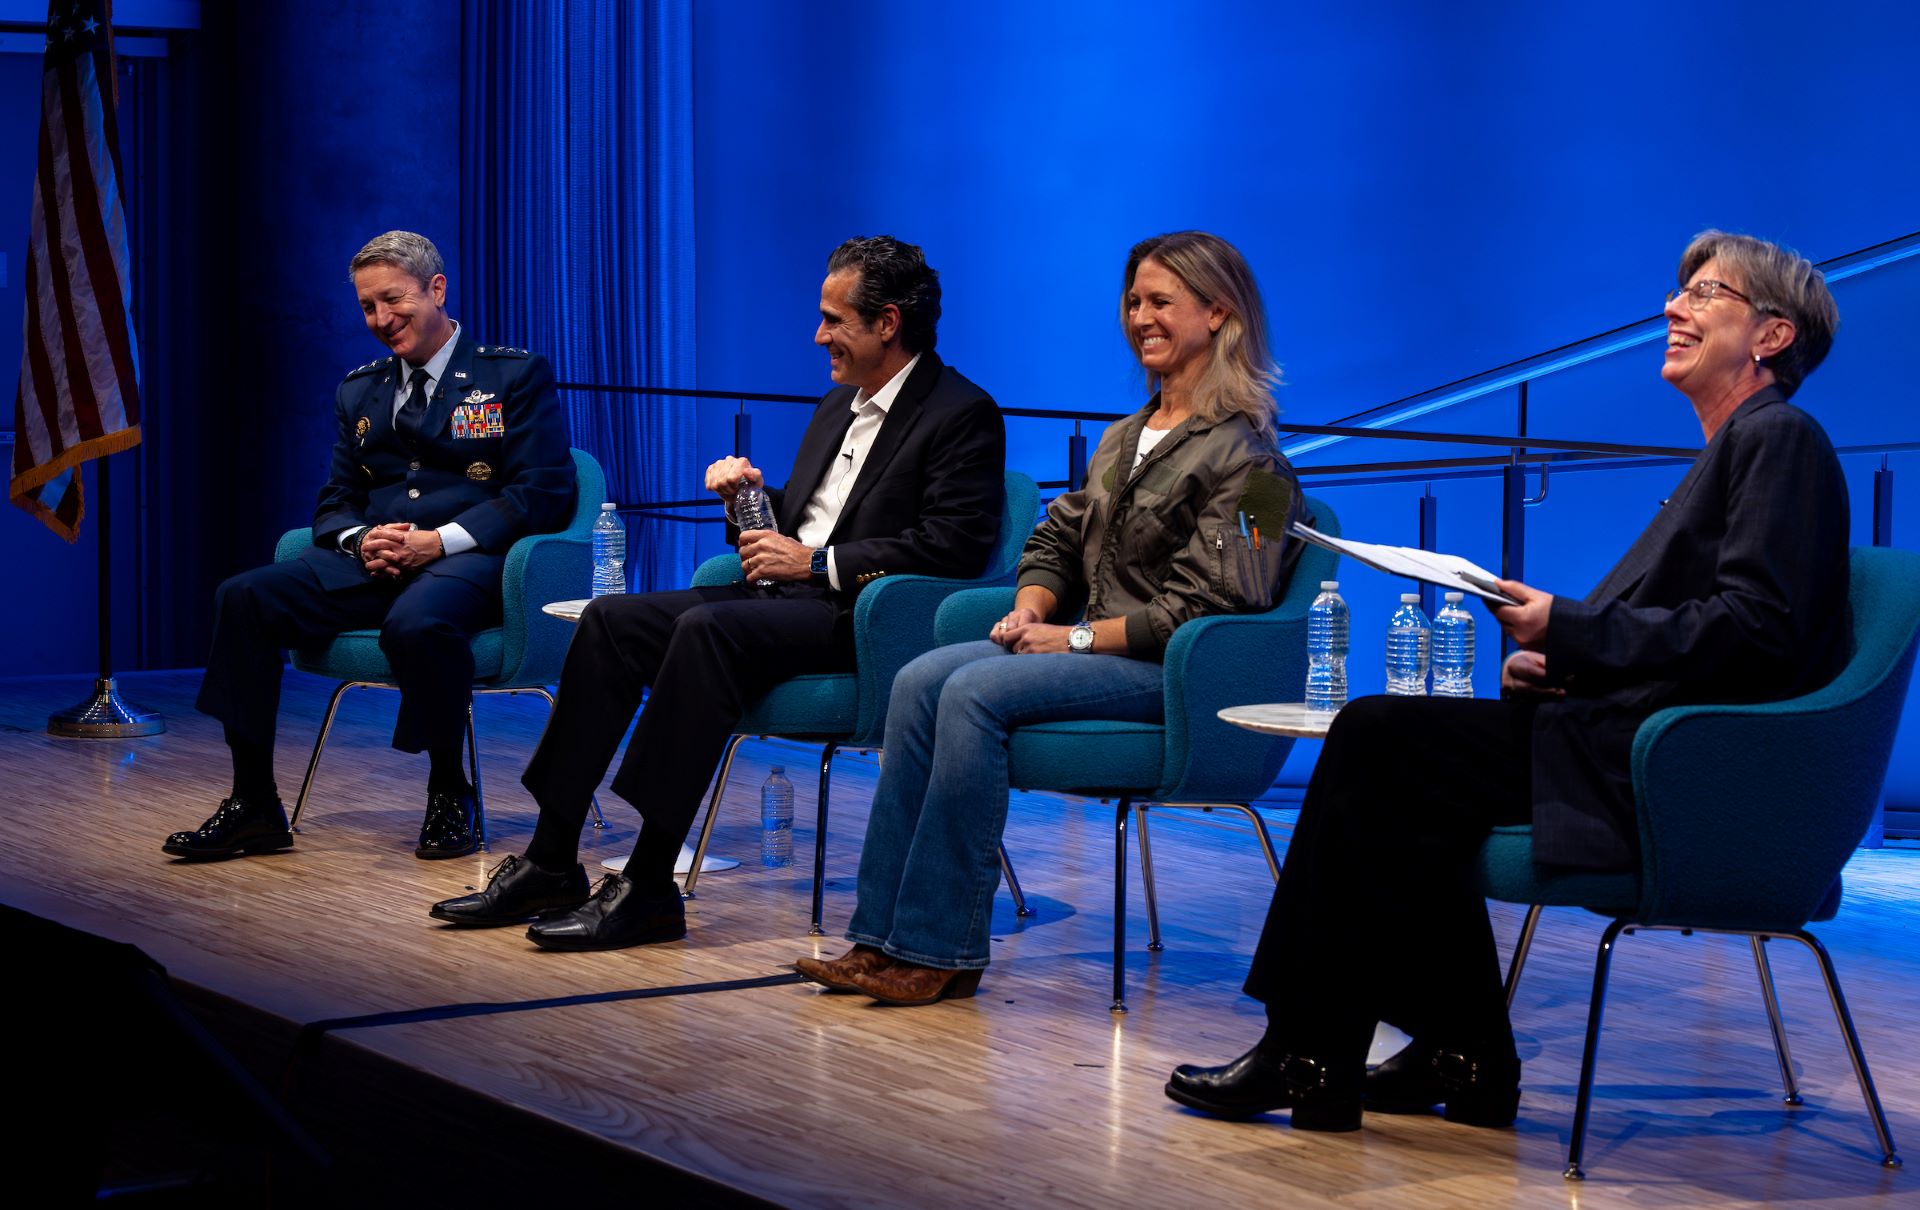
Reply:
x=617 y=916
x=1475 y=1090
x=448 y=830
x=1261 y=1081
x=235 y=827
x=517 y=891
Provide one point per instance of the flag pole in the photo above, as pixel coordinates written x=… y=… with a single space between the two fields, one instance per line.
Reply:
x=105 y=715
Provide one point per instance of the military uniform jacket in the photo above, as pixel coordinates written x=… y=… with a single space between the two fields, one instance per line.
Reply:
x=497 y=463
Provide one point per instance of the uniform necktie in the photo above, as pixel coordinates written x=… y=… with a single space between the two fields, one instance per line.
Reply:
x=412 y=420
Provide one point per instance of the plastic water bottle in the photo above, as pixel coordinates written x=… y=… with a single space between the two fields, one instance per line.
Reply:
x=1453 y=649
x=609 y=553
x=1407 y=638
x=1327 y=650
x=753 y=509
x=776 y=819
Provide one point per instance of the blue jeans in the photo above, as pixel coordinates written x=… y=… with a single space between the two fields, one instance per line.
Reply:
x=931 y=862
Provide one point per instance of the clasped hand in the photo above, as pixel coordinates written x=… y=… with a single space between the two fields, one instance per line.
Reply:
x=1022 y=632
x=396 y=548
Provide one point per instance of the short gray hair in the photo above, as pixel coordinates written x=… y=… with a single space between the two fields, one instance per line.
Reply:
x=1780 y=282
x=412 y=254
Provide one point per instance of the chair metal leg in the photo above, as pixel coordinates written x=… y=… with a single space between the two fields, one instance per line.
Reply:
x=599 y=820
x=1774 y=1023
x=820 y=837
x=473 y=771
x=1520 y=948
x=1583 y=1103
x=319 y=746
x=1146 y=880
x=1120 y=814
x=1888 y=1157
x=1020 y=907
x=1260 y=833
x=713 y=810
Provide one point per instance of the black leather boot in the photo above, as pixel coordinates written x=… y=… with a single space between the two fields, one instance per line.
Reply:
x=1263 y=1080
x=1476 y=1090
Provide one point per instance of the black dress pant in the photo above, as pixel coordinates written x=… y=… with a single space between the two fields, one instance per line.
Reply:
x=1376 y=916
x=426 y=622
x=705 y=654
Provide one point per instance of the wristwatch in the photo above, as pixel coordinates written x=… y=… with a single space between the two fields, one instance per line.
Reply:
x=1080 y=638
x=818 y=567
x=351 y=543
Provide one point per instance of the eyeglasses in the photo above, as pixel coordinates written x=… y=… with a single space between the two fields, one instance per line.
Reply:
x=1701 y=293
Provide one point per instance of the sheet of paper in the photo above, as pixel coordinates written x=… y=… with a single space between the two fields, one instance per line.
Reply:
x=1431 y=567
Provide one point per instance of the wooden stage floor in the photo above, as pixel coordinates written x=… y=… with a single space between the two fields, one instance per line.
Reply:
x=1030 y=1094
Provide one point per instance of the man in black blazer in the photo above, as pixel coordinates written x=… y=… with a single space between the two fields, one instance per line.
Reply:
x=444 y=453
x=1736 y=592
x=900 y=471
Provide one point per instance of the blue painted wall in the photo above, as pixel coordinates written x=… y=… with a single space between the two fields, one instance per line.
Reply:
x=1424 y=192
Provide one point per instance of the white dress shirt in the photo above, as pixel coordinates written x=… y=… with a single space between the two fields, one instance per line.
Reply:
x=823 y=508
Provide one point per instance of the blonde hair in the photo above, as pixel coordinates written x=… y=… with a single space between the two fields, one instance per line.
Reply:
x=1241 y=374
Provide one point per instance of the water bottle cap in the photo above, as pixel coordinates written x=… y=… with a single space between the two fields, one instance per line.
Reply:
x=608 y=507
x=1454 y=598
x=1329 y=585
x=1409 y=598
x=779 y=770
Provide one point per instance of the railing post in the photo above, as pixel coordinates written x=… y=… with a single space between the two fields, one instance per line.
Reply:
x=1513 y=517
x=1429 y=540
x=1076 y=460
x=1883 y=504
x=1882 y=536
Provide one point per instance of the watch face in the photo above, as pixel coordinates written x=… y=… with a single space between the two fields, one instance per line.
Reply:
x=1080 y=638
x=819 y=564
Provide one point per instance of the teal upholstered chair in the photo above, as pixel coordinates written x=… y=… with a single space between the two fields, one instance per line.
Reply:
x=1747 y=815
x=523 y=654
x=892 y=623
x=1192 y=759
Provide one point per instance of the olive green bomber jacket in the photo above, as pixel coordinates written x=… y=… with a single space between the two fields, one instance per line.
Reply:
x=1162 y=544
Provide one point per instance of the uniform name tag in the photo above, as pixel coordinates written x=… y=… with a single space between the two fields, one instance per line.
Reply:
x=475 y=420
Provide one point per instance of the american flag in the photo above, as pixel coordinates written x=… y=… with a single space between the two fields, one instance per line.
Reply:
x=79 y=392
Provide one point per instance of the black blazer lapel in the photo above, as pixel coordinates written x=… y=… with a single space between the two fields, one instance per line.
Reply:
x=819 y=445
x=901 y=418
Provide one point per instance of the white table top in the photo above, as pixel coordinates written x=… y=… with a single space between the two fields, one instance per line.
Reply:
x=1279 y=718
x=569 y=611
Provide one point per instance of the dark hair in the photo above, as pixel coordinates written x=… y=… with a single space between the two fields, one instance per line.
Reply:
x=1780 y=282
x=892 y=274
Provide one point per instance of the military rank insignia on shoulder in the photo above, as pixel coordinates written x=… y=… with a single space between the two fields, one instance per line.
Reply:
x=500 y=351
x=370 y=367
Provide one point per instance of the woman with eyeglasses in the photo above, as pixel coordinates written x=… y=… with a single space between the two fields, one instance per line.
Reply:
x=1737 y=592
x=1162 y=532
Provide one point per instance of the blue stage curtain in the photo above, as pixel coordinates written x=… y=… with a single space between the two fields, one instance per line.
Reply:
x=576 y=232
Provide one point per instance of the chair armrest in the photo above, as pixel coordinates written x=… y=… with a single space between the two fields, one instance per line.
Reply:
x=291 y=545
x=1220 y=661
x=719 y=570
x=969 y=615
x=540 y=568
x=894 y=621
